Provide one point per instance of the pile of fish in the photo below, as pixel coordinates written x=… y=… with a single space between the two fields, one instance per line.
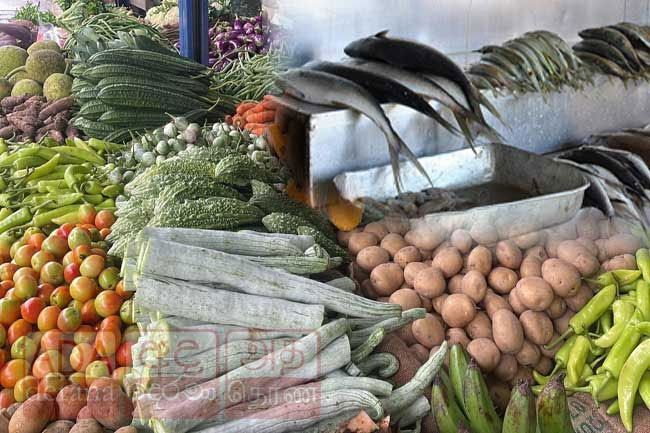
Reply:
x=384 y=69
x=622 y=50
x=538 y=61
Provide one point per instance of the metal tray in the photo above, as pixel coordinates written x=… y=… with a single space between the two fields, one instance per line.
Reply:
x=554 y=190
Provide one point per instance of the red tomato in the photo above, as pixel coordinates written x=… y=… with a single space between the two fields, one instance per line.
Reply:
x=119 y=289
x=110 y=363
x=9 y=311
x=123 y=355
x=24 y=255
x=31 y=309
x=19 y=328
x=7 y=398
x=60 y=297
x=92 y=266
x=67 y=259
x=52 y=273
x=65 y=230
x=71 y=272
x=13 y=371
x=44 y=291
x=83 y=288
x=80 y=253
x=48 y=318
x=25 y=271
x=47 y=362
x=57 y=245
x=107 y=341
x=104 y=233
x=4 y=286
x=7 y=271
x=52 y=340
x=81 y=356
x=111 y=322
x=25 y=287
x=52 y=383
x=104 y=219
x=36 y=240
x=85 y=334
x=108 y=303
x=87 y=214
x=69 y=320
x=29 y=232
x=40 y=259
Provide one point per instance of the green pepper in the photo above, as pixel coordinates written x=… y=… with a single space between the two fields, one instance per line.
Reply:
x=628 y=382
x=3 y=146
x=614 y=408
x=46 y=218
x=599 y=387
x=3 y=184
x=577 y=359
x=93 y=199
x=72 y=218
x=92 y=187
x=28 y=162
x=4 y=213
x=643 y=263
x=112 y=191
x=78 y=142
x=73 y=173
x=18 y=218
x=562 y=355
x=45 y=169
x=627 y=288
x=541 y=379
x=643 y=328
x=65 y=199
x=623 y=312
x=603 y=280
x=626 y=276
x=108 y=204
x=643 y=298
x=8 y=159
x=43 y=185
x=644 y=388
x=84 y=154
x=606 y=321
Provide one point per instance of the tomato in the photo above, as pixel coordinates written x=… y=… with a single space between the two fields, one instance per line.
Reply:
x=52 y=383
x=108 y=303
x=95 y=236
x=5 y=248
x=85 y=334
x=131 y=333
x=29 y=233
x=61 y=297
x=126 y=312
x=87 y=214
x=26 y=287
x=65 y=230
x=78 y=236
x=95 y=370
x=25 y=388
x=52 y=340
x=3 y=341
x=7 y=271
x=52 y=273
x=44 y=291
x=9 y=311
x=92 y=266
x=11 y=294
x=80 y=253
x=48 y=318
x=7 y=398
x=104 y=219
x=13 y=371
x=69 y=320
x=104 y=232
x=82 y=355
x=4 y=286
x=24 y=348
x=88 y=314
x=109 y=278
x=99 y=249
x=83 y=288
x=119 y=374
x=18 y=329
x=14 y=247
x=107 y=341
x=71 y=272
x=123 y=355
x=31 y=308
x=47 y=362
x=23 y=256
x=111 y=322
x=39 y=259
x=36 y=240
x=56 y=245
x=78 y=378
x=23 y=272
x=110 y=363
x=119 y=289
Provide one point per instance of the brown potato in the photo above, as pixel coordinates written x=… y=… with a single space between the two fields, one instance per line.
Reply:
x=493 y=303
x=425 y=237
x=551 y=353
x=344 y=237
x=563 y=277
x=456 y=336
x=507 y=331
x=361 y=240
x=508 y=254
x=371 y=257
x=484 y=233
x=537 y=327
x=474 y=286
x=580 y=299
x=517 y=306
x=454 y=285
x=33 y=415
x=442 y=246
x=523 y=374
x=499 y=393
x=406 y=334
x=368 y=290
x=430 y=282
x=624 y=261
x=602 y=250
x=386 y=278
x=62 y=426
x=622 y=243
x=528 y=355
x=462 y=240
x=552 y=244
x=531 y=266
x=429 y=331
x=535 y=293
x=127 y=429
x=480 y=259
x=449 y=261
x=109 y=405
x=397 y=224
x=407 y=298
x=575 y=253
x=392 y=243
x=485 y=352
x=480 y=326
x=527 y=240
x=70 y=400
x=502 y=280
x=407 y=255
x=357 y=273
x=87 y=426
x=589 y=244
x=420 y=352
x=426 y=304
x=458 y=310
x=426 y=256
x=561 y=324
x=544 y=366
x=411 y=271
x=538 y=251
x=557 y=308
x=377 y=229
x=506 y=368
x=438 y=302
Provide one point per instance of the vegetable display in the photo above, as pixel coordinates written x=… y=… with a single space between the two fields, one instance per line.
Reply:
x=33 y=118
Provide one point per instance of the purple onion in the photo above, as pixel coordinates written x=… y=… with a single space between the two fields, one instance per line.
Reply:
x=257 y=19
x=248 y=28
x=234 y=44
x=237 y=24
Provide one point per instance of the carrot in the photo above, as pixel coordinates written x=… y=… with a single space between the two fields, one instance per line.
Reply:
x=267 y=97
x=258 y=131
x=245 y=106
x=258 y=108
x=263 y=117
x=270 y=105
x=251 y=126
x=237 y=120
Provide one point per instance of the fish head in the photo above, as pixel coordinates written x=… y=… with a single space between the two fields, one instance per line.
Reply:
x=361 y=47
x=290 y=82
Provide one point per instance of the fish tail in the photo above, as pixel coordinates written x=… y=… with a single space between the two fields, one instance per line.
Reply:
x=406 y=151
x=463 y=124
x=492 y=109
x=433 y=113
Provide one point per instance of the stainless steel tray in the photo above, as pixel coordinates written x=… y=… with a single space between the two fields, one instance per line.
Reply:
x=555 y=190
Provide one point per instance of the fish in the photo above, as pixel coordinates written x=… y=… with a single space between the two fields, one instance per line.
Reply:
x=635 y=34
x=635 y=163
x=603 y=49
x=326 y=89
x=532 y=59
x=605 y=65
x=383 y=89
x=597 y=190
x=493 y=72
x=615 y=38
x=515 y=58
x=417 y=57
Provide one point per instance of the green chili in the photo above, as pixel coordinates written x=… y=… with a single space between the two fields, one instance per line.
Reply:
x=643 y=298
x=541 y=379
x=46 y=218
x=577 y=359
x=108 y=204
x=43 y=185
x=28 y=162
x=643 y=263
x=644 y=388
x=20 y=217
x=72 y=174
x=606 y=321
x=45 y=169
x=92 y=187
x=4 y=213
x=614 y=408
x=84 y=154
x=93 y=199
x=623 y=312
x=112 y=191
x=72 y=217
x=627 y=288
x=3 y=146
x=600 y=388
x=603 y=280
x=628 y=382
x=626 y=276
x=643 y=328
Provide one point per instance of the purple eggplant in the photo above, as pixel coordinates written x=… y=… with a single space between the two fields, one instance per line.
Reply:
x=237 y=24
x=259 y=40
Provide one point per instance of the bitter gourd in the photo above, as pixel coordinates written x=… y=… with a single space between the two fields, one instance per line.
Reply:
x=210 y=213
x=240 y=170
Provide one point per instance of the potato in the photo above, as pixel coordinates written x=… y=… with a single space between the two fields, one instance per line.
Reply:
x=458 y=310
x=411 y=271
x=392 y=243
x=456 y=336
x=551 y=245
x=449 y=261
x=551 y=353
x=474 y=286
x=561 y=324
x=127 y=429
x=537 y=327
x=344 y=237
x=523 y=374
x=84 y=413
x=485 y=352
x=438 y=302
x=426 y=256
x=377 y=229
x=361 y=240
x=461 y=240
x=420 y=352
x=87 y=426
x=538 y=252
x=589 y=244
x=425 y=237
x=517 y=306
x=506 y=368
x=368 y=290
x=502 y=280
x=535 y=293
x=563 y=277
x=527 y=240
x=407 y=255
x=406 y=298
x=396 y=224
x=557 y=308
x=484 y=233
x=622 y=243
x=480 y=259
x=544 y=366
x=531 y=266
x=480 y=326
x=493 y=303
x=108 y=404
x=429 y=332
x=508 y=254
x=455 y=284
x=70 y=400
x=605 y=229
x=624 y=261
x=386 y=278
x=507 y=331
x=33 y=414
x=528 y=355
x=575 y=253
x=406 y=334
x=371 y=257
x=430 y=283
x=587 y=224
x=11 y=410
x=499 y=393
x=357 y=273
x=602 y=250
x=580 y=299
x=442 y=246
x=62 y=426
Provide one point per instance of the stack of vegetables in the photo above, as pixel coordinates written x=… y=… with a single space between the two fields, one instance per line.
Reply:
x=185 y=300
x=255 y=117
x=32 y=118
x=18 y=32
x=251 y=35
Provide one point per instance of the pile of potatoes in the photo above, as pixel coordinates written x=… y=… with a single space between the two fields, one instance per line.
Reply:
x=503 y=300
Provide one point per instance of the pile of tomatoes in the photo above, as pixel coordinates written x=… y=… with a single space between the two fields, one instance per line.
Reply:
x=64 y=313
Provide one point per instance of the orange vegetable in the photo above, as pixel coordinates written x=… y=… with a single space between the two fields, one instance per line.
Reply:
x=270 y=105
x=244 y=107
x=258 y=108
x=344 y=214
x=263 y=117
x=251 y=126
x=258 y=131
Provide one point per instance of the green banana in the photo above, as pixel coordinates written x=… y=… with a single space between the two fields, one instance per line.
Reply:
x=457 y=370
x=553 y=409
x=521 y=415
x=445 y=409
x=480 y=410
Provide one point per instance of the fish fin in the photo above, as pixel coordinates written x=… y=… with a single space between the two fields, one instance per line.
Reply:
x=492 y=109
x=463 y=124
x=394 y=162
x=443 y=122
x=404 y=149
x=381 y=34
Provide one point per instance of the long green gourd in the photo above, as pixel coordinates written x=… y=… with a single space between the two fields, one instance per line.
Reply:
x=358 y=336
x=385 y=364
x=412 y=413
